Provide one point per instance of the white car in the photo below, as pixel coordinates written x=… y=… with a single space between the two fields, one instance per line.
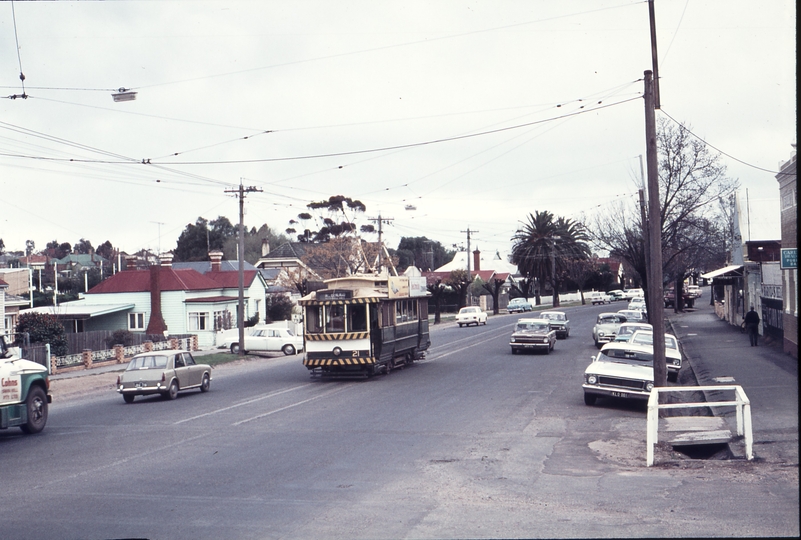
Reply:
x=637 y=304
x=597 y=297
x=672 y=352
x=620 y=370
x=694 y=291
x=633 y=293
x=270 y=339
x=471 y=315
x=627 y=329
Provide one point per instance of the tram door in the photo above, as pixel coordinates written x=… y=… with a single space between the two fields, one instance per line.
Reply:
x=375 y=330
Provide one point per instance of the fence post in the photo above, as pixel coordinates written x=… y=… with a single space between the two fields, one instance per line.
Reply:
x=195 y=346
x=87 y=358
x=119 y=353
x=174 y=344
x=148 y=346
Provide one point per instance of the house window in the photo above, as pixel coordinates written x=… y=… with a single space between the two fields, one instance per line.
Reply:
x=198 y=320
x=136 y=321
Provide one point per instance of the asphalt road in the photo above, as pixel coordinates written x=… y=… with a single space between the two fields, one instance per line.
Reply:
x=471 y=442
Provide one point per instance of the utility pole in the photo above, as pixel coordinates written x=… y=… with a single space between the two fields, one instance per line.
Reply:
x=380 y=221
x=241 y=307
x=654 y=60
x=469 y=232
x=656 y=313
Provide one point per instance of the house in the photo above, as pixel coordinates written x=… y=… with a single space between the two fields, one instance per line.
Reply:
x=166 y=299
x=616 y=269
x=9 y=309
x=74 y=263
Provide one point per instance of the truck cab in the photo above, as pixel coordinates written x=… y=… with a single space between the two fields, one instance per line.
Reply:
x=24 y=391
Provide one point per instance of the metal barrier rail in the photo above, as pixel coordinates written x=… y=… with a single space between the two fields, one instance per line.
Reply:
x=741 y=402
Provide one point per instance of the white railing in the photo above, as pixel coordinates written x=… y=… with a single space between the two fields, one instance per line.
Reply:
x=741 y=402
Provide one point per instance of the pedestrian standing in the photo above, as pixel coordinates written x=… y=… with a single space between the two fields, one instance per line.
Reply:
x=752 y=325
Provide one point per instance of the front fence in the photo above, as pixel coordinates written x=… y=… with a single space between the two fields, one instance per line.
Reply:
x=88 y=357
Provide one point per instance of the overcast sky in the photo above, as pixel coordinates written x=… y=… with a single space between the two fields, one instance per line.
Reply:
x=474 y=113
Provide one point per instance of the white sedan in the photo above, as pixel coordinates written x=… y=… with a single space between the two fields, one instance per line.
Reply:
x=266 y=340
x=471 y=315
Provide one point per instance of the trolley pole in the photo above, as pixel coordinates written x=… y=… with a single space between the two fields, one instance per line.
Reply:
x=469 y=232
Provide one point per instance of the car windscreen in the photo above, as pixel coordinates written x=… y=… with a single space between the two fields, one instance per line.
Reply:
x=553 y=316
x=531 y=327
x=609 y=320
x=148 y=362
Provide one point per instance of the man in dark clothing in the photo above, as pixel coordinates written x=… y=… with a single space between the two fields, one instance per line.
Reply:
x=752 y=325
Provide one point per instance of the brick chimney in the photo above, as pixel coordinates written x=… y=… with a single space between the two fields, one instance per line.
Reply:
x=130 y=262
x=156 y=323
x=166 y=259
x=477 y=261
x=216 y=260
x=265 y=247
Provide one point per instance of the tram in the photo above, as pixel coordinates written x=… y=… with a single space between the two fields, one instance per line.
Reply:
x=365 y=324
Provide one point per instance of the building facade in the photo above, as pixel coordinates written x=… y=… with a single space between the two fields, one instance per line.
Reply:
x=789 y=254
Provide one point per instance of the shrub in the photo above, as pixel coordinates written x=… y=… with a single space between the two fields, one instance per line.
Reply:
x=119 y=337
x=44 y=328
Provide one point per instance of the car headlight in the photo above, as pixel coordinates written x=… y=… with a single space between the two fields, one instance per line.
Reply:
x=513 y=340
x=601 y=334
x=649 y=386
x=592 y=379
x=676 y=362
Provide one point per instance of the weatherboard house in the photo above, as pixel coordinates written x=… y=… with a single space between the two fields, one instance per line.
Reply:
x=167 y=299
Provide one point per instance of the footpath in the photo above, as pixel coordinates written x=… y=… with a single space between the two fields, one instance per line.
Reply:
x=720 y=353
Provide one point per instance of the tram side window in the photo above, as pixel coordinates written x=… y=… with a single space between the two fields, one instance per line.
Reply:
x=335 y=319
x=357 y=318
x=314 y=319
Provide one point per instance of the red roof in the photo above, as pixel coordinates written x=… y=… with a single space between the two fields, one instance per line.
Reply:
x=230 y=280
x=3 y=283
x=170 y=280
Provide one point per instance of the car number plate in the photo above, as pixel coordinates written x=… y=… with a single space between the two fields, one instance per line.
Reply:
x=620 y=394
x=140 y=385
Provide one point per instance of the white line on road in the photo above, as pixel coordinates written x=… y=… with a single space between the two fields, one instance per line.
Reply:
x=248 y=402
x=326 y=394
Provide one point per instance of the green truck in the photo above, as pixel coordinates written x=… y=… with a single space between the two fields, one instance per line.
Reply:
x=24 y=395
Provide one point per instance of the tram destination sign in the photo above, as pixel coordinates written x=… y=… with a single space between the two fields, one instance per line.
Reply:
x=334 y=294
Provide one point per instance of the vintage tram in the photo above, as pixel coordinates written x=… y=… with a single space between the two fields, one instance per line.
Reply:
x=365 y=324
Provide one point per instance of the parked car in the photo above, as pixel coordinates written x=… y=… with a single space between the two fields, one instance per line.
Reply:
x=471 y=315
x=694 y=291
x=162 y=372
x=634 y=315
x=628 y=328
x=606 y=326
x=270 y=339
x=620 y=370
x=637 y=304
x=670 y=298
x=558 y=321
x=633 y=293
x=616 y=295
x=533 y=335
x=597 y=297
x=518 y=305
x=672 y=352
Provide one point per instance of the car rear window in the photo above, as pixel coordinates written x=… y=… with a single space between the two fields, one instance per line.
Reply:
x=624 y=354
x=148 y=362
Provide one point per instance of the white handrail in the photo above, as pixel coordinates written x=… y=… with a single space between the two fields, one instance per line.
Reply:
x=741 y=402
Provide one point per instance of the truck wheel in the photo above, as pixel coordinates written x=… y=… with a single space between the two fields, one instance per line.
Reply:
x=36 y=405
x=589 y=399
x=128 y=398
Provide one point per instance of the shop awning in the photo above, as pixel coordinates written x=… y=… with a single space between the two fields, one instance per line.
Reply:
x=735 y=270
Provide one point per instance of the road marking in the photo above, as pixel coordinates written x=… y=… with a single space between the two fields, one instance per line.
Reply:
x=248 y=402
x=326 y=394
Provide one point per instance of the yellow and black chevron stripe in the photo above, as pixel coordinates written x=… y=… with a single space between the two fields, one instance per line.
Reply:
x=349 y=361
x=337 y=336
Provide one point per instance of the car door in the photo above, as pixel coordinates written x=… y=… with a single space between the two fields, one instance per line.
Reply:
x=195 y=371
x=181 y=371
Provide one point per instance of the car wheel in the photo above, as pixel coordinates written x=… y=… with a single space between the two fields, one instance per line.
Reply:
x=514 y=351
x=672 y=376
x=128 y=398
x=589 y=399
x=36 y=405
x=205 y=384
x=548 y=350
x=234 y=348
x=460 y=325
x=172 y=391
x=288 y=349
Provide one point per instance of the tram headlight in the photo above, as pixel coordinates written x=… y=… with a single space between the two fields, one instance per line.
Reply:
x=337 y=351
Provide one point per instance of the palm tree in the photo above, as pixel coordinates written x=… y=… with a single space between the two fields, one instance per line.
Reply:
x=545 y=244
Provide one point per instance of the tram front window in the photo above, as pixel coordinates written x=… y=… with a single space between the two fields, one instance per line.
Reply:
x=357 y=318
x=335 y=319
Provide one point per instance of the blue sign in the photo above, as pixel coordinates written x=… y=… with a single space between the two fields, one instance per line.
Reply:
x=789 y=258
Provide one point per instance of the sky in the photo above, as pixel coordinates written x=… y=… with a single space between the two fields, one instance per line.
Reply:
x=441 y=117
